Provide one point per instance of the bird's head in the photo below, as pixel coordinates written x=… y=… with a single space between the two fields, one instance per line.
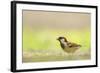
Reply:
x=62 y=39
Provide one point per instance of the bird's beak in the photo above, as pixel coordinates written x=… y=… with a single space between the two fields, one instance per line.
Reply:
x=57 y=39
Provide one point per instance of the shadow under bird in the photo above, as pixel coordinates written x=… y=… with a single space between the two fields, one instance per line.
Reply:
x=67 y=46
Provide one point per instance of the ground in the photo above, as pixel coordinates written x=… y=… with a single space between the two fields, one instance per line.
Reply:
x=44 y=56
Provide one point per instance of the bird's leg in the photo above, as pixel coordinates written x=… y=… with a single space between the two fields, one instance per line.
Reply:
x=70 y=56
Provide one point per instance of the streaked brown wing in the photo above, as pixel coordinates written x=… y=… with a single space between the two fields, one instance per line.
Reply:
x=73 y=44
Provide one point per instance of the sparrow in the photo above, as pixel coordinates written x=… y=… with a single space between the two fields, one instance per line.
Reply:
x=67 y=46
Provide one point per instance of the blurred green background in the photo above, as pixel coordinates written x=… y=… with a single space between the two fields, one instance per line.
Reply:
x=42 y=28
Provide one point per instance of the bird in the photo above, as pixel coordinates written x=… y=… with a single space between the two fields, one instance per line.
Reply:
x=68 y=47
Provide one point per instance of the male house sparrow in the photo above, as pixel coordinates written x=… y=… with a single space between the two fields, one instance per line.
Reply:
x=67 y=46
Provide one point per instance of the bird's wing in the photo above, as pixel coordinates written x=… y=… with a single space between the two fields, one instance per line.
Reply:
x=73 y=44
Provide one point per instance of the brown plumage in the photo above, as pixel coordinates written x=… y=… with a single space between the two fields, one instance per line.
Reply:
x=67 y=46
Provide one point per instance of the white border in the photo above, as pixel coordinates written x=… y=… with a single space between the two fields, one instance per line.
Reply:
x=21 y=65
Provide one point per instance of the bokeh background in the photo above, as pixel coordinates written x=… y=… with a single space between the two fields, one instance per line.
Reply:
x=42 y=28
